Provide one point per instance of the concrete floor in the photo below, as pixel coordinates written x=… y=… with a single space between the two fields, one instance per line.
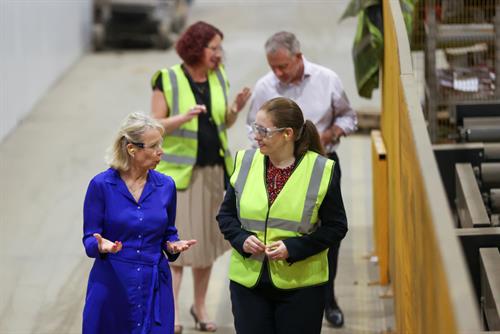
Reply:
x=47 y=162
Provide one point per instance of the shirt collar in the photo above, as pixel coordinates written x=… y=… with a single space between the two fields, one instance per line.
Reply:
x=307 y=68
x=113 y=177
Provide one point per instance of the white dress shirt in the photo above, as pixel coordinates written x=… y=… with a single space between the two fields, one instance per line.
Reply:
x=320 y=94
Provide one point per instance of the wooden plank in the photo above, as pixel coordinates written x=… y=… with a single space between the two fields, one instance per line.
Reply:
x=380 y=205
x=470 y=206
x=490 y=286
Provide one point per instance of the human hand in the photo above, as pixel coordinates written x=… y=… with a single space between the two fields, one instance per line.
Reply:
x=106 y=246
x=277 y=251
x=331 y=135
x=241 y=100
x=179 y=246
x=195 y=111
x=253 y=245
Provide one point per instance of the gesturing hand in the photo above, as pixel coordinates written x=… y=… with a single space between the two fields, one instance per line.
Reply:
x=253 y=245
x=241 y=100
x=179 y=246
x=195 y=111
x=277 y=251
x=106 y=246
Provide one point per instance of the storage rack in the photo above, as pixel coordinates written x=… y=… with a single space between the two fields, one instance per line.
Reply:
x=443 y=34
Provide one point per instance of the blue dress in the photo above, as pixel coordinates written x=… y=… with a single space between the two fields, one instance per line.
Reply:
x=130 y=291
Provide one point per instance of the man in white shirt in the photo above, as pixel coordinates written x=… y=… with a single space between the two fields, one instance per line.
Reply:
x=320 y=94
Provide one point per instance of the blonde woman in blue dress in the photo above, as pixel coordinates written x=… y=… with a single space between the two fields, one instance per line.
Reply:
x=128 y=226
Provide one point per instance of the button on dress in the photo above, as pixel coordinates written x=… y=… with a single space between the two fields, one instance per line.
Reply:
x=130 y=291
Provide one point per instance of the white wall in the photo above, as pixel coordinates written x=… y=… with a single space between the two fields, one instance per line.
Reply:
x=39 y=41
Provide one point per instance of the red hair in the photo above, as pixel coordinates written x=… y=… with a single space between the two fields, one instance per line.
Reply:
x=194 y=40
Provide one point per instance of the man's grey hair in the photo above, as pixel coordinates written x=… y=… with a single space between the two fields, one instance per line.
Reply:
x=283 y=40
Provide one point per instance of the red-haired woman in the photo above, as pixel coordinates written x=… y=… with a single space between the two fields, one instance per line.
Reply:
x=191 y=102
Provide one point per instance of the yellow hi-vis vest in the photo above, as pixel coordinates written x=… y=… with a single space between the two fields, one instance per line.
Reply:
x=180 y=146
x=293 y=213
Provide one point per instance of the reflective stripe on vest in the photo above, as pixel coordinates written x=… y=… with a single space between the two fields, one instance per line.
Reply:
x=178 y=159
x=180 y=147
x=175 y=92
x=242 y=178
x=305 y=227
x=184 y=133
x=293 y=213
x=222 y=82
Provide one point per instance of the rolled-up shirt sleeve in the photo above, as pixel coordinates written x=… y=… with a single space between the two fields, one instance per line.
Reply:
x=344 y=116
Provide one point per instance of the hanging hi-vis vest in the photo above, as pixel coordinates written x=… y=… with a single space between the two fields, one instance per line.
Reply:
x=293 y=213
x=180 y=147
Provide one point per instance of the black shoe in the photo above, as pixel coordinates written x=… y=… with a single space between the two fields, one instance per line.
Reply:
x=334 y=316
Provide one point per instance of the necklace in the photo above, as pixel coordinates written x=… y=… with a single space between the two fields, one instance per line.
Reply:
x=278 y=175
x=135 y=188
x=276 y=179
x=200 y=87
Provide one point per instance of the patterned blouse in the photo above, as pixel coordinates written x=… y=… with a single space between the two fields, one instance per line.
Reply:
x=276 y=179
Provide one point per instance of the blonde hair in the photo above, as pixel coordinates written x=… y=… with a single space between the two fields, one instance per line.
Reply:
x=131 y=130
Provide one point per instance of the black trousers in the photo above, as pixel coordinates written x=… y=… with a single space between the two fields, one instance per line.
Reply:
x=333 y=252
x=268 y=310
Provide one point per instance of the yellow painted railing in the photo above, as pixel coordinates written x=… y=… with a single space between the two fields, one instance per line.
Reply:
x=380 y=205
x=431 y=285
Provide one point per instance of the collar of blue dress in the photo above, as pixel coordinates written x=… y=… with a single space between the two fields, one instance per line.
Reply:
x=113 y=177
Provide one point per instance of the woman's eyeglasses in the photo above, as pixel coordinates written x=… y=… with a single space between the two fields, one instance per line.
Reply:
x=215 y=48
x=155 y=146
x=263 y=131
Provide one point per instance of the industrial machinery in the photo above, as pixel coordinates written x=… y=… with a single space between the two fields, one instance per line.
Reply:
x=478 y=122
x=470 y=171
x=478 y=212
x=478 y=194
x=478 y=186
x=150 y=22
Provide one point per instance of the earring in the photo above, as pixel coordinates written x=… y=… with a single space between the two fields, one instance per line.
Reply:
x=286 y=136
